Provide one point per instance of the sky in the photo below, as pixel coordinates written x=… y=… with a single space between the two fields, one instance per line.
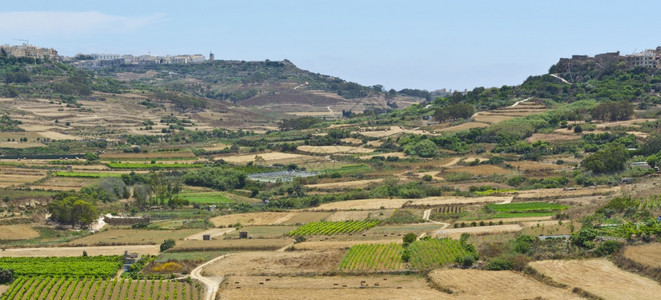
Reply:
x=398 y=44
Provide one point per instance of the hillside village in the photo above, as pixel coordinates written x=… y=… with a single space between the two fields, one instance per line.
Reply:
x=186 y=177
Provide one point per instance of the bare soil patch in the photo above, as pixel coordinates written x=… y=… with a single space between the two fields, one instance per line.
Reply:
x=17 y=232
x=599 y=277
x=78 y=251
x=324 y=287
x=647 y=255
x=390 y=131
x=232 y=245
x=64 y=183
x=277 y=263
x=442 y=200
x=258 y=218
x=271 y=157
x=550 y=137
x=535 y=166
x=479 y=284
x=305 y=217
x=561 y=193
x=348 y=215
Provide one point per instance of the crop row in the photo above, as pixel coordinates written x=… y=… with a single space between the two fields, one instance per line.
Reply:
x=331 y=228
x=432 y=253
x=87 y=175
x=92 y=288
x=373 y=257
x=649 y=203
x=527 y=206
x=152 y=166
x=97 y=266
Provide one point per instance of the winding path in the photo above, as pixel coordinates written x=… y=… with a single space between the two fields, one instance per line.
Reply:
x=211 y=283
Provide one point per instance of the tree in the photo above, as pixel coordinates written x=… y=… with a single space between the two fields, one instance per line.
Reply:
x=424 y=148
x=613 y=111
x=409 y=238
x=454 y=112
x=6 y=275
x=91 y=156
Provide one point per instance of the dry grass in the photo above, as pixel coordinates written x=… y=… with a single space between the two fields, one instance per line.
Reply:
x=463 y=127
x=560 y=193
x=328 y=287
x=535 y=166
x=78 y=251
x=599 y=277
x=131 y=237
x=627 y=123
x=22 y=145
x=354 y=141
x=479 y=284
x=64 y=183
x=16 y=176
x=270 y=158
x=333 y=149
x=276 y=263
x=479 y=170
x=395 y=154
x=306 y=217
x=362 y=204
x=231 y=245
x=496 y=229
x=647 y=255
x=491 y=118
x=17 y=232
x=343 y=184
x=348 y=215
x=258 y=218
x=442 y=200
x=392 y=130
x=213 y=232
x=549 y=137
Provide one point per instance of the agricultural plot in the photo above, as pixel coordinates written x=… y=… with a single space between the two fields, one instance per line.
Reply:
x=306 y=217
x=453 y=200
x=97 y=266
x=148 y=155
x=131 y=237
x=206 y=198
x=559 y=193
x=653 y=202
x=86 y=174
x=343 y=184
x=78 y=251
x=480 y=170
x=350 y=215
x=462 y=127
x=525 y=209
x=373 y=257
x=10 y=176
x=64 y=183
x=433 y=253
x=231 y=245
x=479 y=284
x=153 y=166
x=496 y=229
x=263 y=232
x=647 y=255
x=258 y=218
x=17 y=232
x=276 y=263
x=333 y=149
x=270 y=158
x=93 y=288
x=331 y=228
x=599 y=277
x=328 y=287
x=367 y=204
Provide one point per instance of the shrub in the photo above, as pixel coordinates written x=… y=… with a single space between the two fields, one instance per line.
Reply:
x=167 y=244
x=607 y=248
x=409 y=238
x=498 y=264
x=6 y=275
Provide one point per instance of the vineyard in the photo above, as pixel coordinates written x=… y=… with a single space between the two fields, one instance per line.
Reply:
x=331 y=228
x=649 y=203
x=93 y=288
x=86 y=174
x=450 y=209
x=433 y=253
x=373 y=257
x=96 y=266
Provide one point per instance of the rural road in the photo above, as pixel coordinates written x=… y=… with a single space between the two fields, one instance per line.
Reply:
x=425 y=215
x=212 y=283
x=561 y=79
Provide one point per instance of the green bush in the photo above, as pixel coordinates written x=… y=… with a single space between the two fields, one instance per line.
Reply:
x=167 y=244
x=608 y=247
x=498 y=264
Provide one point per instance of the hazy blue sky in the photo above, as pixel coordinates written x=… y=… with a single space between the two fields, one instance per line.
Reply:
x=415 y=44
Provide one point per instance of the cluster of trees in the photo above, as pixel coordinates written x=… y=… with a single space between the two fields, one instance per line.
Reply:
x=181 y=102
x=107 y=189
x=298 y=123
x=17 y=76
x=613 y=111
x=454 y=112
x=220 y=178
x=9 y=124
x=75 y=209
x=158 y=189
x=611 y=158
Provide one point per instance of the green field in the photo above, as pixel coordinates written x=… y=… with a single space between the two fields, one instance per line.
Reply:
x=206 y=198
x=331 y=228
x=84 y=174
x=97 y=266
x=152 y=166
x=373 y=257
x=505 y=215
